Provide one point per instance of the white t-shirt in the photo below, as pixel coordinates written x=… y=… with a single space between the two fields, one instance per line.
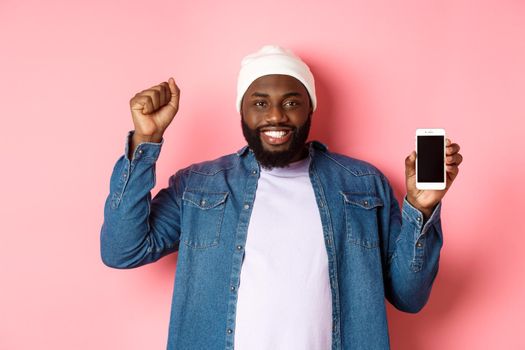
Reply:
x=284 y=299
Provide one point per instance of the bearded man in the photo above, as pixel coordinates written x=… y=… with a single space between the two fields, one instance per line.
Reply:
x=282 y=244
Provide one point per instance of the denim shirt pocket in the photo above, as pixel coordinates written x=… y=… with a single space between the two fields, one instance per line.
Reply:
x=361 y=218
x=202 y=218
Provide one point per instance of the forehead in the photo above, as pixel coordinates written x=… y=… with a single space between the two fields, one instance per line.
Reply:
x=276 y=83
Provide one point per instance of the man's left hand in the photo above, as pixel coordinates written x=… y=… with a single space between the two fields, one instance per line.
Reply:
x=426 y=200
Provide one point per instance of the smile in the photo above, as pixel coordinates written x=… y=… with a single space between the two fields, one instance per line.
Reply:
x=276 y=134
x=276 y=137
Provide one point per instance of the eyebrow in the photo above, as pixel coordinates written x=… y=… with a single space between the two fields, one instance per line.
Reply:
x=288 y=94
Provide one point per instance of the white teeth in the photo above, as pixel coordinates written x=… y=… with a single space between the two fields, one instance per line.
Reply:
x=275 y=134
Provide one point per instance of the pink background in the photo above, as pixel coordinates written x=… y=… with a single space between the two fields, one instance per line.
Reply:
x=383 y=68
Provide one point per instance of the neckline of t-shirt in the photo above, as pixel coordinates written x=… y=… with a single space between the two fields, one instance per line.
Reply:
x=294 y=169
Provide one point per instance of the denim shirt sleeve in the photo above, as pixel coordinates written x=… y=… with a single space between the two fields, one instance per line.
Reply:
x=413 y=247
x=136 y=229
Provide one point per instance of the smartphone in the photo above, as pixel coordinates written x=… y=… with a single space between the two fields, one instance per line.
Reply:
x=430 y=159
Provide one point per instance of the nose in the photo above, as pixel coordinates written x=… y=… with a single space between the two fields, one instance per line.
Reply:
x=276 y=115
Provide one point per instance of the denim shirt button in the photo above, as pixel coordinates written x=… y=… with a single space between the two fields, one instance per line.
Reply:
x=232 y=288
x=229 y=331
x=418 y=218
x=246 y=206
x=203 y=202
x=239 y=247
x=140 y=151
x=419 y=244
x=365 y=203
x=254 y=172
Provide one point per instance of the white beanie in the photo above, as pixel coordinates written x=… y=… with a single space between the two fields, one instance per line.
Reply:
x=273 y=59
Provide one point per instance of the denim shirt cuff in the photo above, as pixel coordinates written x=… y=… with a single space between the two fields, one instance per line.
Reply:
x=416 y=217
x=144 y=150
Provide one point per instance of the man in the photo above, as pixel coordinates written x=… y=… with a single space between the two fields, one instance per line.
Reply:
x=283 y=244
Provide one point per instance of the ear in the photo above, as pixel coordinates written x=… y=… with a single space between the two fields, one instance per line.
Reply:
x=240 y=105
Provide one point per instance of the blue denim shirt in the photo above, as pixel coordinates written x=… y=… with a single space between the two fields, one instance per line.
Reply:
x=375 y=251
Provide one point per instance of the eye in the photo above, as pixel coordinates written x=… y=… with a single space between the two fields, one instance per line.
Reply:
x=260 y=103
x=291 y=103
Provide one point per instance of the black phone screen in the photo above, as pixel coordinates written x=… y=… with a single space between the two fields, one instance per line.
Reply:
x=430 y=161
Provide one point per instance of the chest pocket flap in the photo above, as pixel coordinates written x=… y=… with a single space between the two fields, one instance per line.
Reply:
x=204 y=200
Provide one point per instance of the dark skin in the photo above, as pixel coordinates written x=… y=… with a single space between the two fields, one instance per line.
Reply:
x=277 y=103
x=273 y=103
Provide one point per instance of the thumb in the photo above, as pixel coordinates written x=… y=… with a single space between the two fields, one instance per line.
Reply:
x=410 y=165
x=175 y=94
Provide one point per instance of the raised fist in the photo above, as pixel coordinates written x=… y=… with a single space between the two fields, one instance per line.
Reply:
x=153 y=110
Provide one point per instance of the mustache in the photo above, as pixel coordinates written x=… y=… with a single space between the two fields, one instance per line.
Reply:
x=275 y=126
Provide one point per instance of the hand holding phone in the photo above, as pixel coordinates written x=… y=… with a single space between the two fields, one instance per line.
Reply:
x=427 y=183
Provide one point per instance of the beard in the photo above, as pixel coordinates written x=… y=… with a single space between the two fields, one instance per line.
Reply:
x=276 y=159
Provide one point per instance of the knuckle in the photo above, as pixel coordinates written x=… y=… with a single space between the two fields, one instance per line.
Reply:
x=137 y=98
